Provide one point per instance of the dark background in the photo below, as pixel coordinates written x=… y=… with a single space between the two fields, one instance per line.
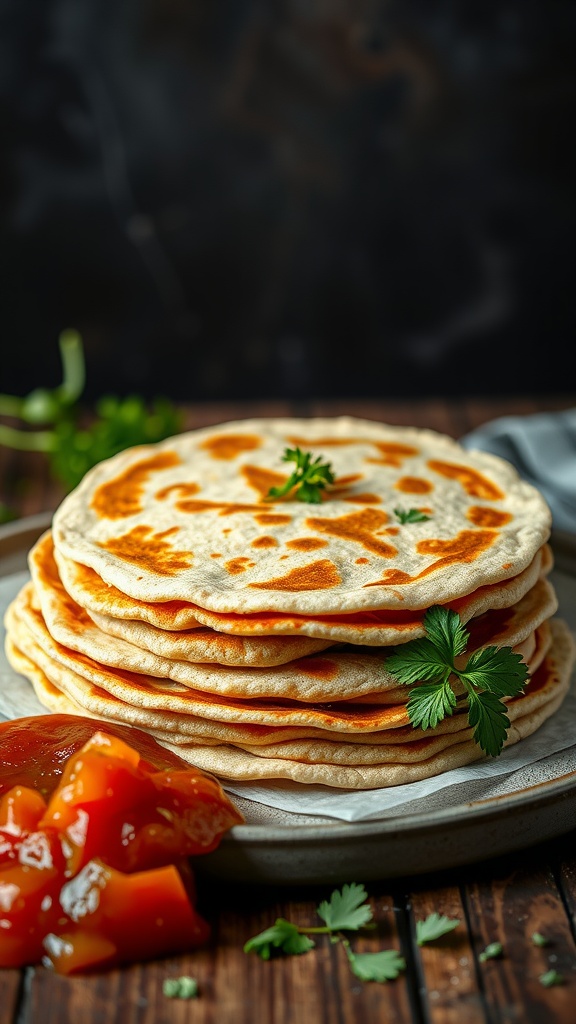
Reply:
x=242 y=199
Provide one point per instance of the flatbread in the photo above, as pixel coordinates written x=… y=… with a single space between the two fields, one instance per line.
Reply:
x=26 y=627
x=67 y=634
x=66 y=620
x=188 y=520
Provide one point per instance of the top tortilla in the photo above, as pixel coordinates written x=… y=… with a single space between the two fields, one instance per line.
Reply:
x=187 y=519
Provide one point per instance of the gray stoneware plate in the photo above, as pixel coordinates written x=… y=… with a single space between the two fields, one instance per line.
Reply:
x=278 y=848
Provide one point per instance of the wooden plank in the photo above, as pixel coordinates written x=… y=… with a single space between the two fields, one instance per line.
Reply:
x=509 y=908
x=567 y=883
x=448 y=982
x=10 y=987
x=235 y=987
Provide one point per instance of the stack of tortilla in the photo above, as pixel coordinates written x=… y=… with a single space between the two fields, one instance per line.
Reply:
x=252 y=633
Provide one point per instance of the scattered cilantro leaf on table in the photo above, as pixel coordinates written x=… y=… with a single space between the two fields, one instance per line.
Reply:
x=540 y=940
x=180 y=988
x=346 y=910
x=434 y=927
x=413 y=515
x=428 y=665
x=283 y=936
x=550 y=978
x=493 y=951
x=310 y=477
x=383 y=966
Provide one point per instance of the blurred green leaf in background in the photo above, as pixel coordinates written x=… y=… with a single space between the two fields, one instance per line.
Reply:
x=74 y=438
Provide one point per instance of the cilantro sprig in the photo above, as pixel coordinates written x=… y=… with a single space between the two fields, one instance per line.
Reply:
x=345 y=911
x=310 y=477
x=428 y=665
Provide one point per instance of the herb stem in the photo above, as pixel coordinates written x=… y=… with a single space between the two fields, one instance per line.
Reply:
x=27 y=440
x=73 y=366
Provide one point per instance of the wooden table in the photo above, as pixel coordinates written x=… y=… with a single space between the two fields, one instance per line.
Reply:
x=501 y=900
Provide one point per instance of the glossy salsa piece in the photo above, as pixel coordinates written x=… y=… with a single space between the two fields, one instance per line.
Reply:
x=98 y=875
x=36 y=748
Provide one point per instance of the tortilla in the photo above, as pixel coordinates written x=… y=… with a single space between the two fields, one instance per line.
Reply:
x=188 y=520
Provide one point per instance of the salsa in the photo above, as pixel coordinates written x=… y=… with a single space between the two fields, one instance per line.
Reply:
x=97 y=823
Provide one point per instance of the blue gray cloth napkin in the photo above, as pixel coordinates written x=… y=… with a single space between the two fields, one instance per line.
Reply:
x=542 y=447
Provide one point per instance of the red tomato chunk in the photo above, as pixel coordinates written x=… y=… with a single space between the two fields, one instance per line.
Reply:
x=100 y=875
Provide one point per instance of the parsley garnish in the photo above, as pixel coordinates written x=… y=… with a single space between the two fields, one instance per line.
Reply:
x=492 y=952
x=434 y=927
x=180 y=988
x=346 y=910
x=413 y=515
x=540 y=940
x=489 y=674
x=310 y=477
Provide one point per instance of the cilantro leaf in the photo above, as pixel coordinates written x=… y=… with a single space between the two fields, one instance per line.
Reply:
x=428 y=665
x=413 y=515
x=488 y=717
x=434 y=927
x=540 y=940
x=428 y=705
x=418 y=660
x=492 y=952
x=310 y=477
x=550 y=978
x=446 y=632
x=346 y=910
x=385 y=965
x=180 y=988
x=497 y=669
x=283 y=935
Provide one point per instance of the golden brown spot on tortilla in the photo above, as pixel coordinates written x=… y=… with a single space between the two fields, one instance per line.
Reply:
x=413 y=485
x=392 y=530
x=265 y=542
x=474 y=483
x=334 y=442
x=74 y=616
x=236 y=565
x=359 y=527
x=392 y=454
x=321 y=575
x=216 y=554
x=261 y=480
x=362 y=561
x=346 y=481
x=320 y=668
x=507 y=565
x=122 y=496
x=488 y=517
x=365 y=498
x=465 y=547
x=306 y=543
x=228 y=446
x=182 y=489
x=272 y=519
x=149 y=550
x=224 y=508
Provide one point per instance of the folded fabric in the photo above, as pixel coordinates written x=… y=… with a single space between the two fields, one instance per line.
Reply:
x=542 y=447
